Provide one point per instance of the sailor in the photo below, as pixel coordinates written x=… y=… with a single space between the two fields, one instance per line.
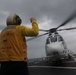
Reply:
x=13 y=47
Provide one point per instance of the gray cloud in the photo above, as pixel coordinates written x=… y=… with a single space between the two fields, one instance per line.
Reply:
x=53 y=9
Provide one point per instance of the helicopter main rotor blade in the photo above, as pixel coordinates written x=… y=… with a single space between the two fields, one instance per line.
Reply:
x=43 y=30
x=73 y=15
x=67 y=29
x=36 y=37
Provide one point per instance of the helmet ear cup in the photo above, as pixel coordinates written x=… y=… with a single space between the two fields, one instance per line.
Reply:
x=18 y=20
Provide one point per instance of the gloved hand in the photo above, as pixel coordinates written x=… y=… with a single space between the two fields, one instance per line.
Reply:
x=32 y=20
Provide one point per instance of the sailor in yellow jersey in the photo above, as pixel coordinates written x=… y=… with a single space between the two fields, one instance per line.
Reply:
x=13 y=47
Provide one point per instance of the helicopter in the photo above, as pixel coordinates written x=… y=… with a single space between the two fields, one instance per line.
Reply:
x=55 y=46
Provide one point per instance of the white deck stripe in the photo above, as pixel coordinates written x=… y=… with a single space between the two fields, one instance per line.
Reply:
x=52 y=67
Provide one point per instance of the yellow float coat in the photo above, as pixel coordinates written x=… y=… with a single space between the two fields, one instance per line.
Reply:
x=13 y=45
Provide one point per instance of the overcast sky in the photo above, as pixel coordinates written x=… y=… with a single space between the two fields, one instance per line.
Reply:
x=49 y=14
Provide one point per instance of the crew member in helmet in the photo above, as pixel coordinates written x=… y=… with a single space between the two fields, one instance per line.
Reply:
x=13 y=47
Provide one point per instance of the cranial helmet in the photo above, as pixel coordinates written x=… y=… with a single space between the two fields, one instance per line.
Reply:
x=13 y=19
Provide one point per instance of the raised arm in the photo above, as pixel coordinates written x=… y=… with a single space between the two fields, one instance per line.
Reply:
x=30 y=31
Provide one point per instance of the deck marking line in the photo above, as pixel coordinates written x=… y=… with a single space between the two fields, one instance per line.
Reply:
x=52 y=67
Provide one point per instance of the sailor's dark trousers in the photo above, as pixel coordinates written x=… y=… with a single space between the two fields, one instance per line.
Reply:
x=14 y=68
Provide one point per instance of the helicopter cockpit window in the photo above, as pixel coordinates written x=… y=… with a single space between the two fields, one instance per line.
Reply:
x=60 y=38
x=53 y=39
x=48 y=41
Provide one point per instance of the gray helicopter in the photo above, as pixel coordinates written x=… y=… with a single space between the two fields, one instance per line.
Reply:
x=55 y=46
